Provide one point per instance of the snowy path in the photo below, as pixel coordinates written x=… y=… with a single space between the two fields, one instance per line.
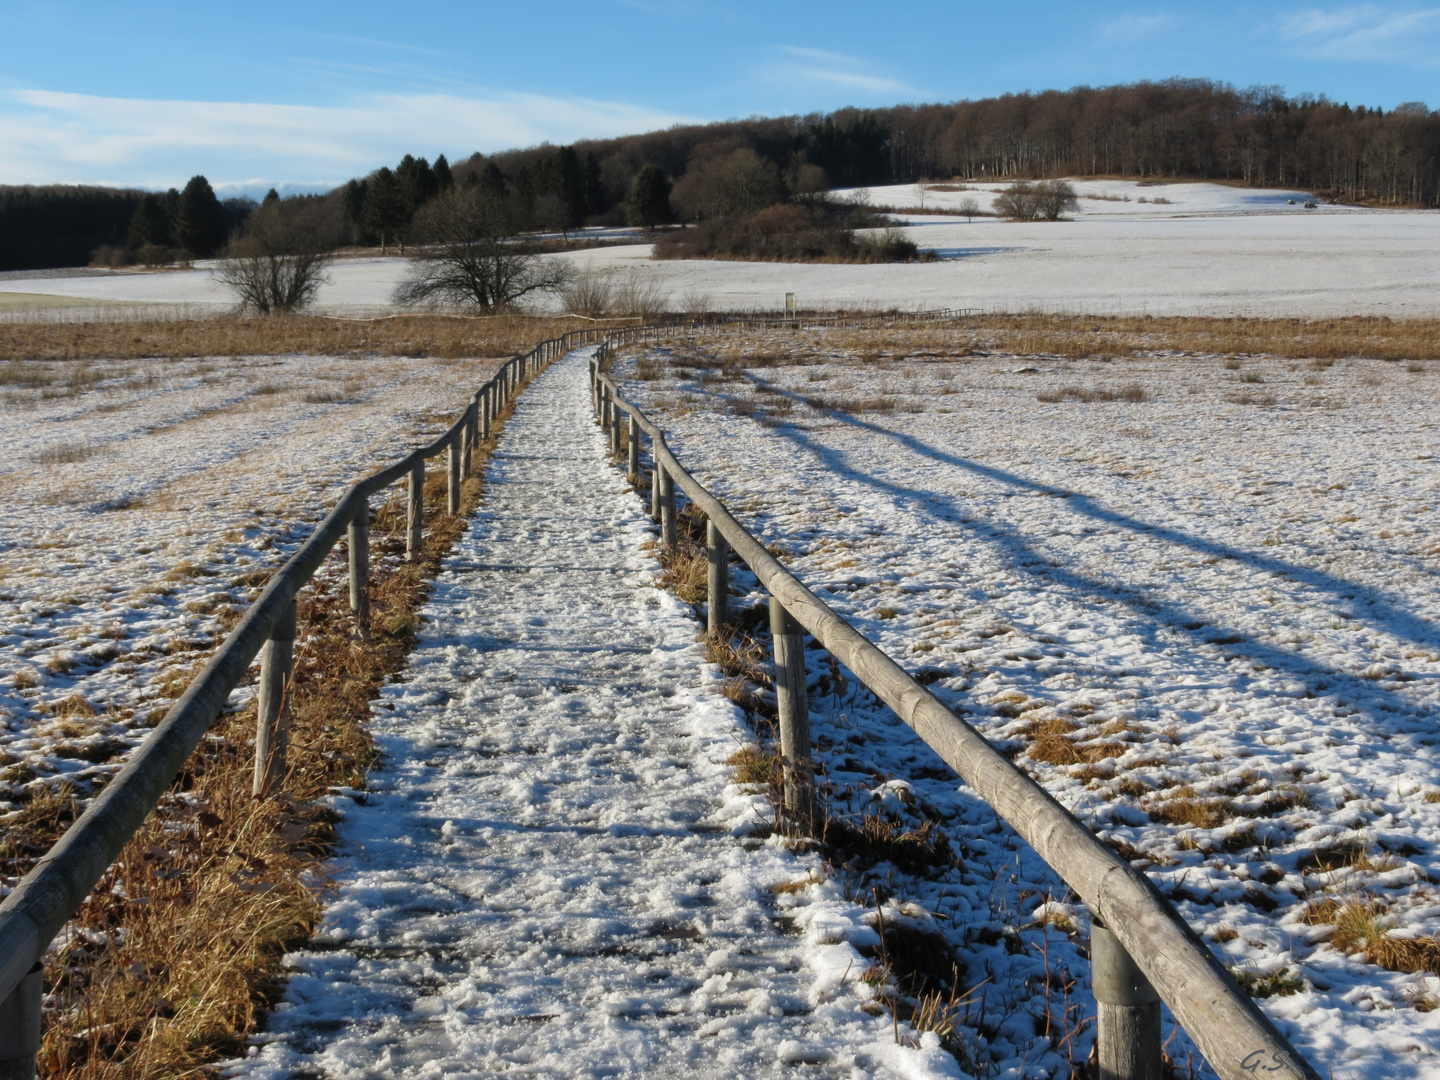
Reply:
x=547 y=877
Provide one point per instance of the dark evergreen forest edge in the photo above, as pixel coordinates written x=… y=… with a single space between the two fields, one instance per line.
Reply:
x=731 y=171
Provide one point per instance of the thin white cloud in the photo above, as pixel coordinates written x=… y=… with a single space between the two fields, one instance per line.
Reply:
x=833 y=69
x=1366 y=32
x=49 y=137
x=1132 y=29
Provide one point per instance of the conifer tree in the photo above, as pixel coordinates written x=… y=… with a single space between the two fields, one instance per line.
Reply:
x=384 y=213
x=444 y=179
x=199 y=219
x=648 y=202
x=150 y=224
x=594 y=186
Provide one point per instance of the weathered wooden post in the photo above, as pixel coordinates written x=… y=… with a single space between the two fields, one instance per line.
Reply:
x=360 y=566
x=717 y=555
x=487 y=409
x=632 y=456
x=605 y=408
x=655 y=492
x=1127 y=1024
x=415 y=511
x=452 y=475
x=20 y=1028
x=668 y=538
x=272 y=719
x=794 y=709
x=467 y=441
x=616 y=426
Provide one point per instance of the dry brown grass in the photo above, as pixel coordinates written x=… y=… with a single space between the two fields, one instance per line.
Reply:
x=1050 y=742
x=1075 y=337
x=752 y=765
x=233 y=335
x=1186 y=806
x=1361 y=927
x=1131 y=392
x=176 y=955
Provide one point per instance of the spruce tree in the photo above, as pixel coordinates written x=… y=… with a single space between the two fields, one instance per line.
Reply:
x=271 y=196
x=492 y=181
x=648 y=202
x=384 y=213
x=150 y=224
x=444 y=179
x=199 y=219
x=594 y=187
x=570 y=180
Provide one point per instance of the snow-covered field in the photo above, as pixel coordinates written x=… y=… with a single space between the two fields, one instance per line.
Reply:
x=146 y=500
x=1212 y=249
x=1209 y=608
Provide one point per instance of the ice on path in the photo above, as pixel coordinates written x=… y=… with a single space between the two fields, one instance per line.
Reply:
x=546 y=877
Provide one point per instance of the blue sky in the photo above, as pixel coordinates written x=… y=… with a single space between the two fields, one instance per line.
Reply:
x=308 y=93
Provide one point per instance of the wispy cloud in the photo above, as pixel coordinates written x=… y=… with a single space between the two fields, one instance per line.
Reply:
x=48 y=137
x=1132 y=29
x=1366 y=32
x=833 y=69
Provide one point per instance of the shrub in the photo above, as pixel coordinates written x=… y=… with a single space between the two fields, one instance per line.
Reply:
x=815 y=231
x=1045 y=201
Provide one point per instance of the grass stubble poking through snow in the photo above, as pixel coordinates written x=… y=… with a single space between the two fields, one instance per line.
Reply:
x=1203 y=618
x=111 y=607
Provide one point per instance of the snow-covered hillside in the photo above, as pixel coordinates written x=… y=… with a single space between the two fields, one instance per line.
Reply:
x=1212 y=249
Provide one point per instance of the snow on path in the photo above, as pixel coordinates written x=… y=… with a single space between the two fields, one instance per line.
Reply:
x=550 y=876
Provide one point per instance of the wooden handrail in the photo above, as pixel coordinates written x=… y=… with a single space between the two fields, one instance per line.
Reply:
x=56 y=886
x=35 y=910
x=1238 y=1040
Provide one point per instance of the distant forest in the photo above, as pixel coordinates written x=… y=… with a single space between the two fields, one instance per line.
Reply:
x=1181 y=128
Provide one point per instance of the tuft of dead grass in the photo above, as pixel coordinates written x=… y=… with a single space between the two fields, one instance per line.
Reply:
x=1186 y=806
x=1363 y=928
x=878 y=838
x=1132 y=392
x=1050 y=742
x=752 y=765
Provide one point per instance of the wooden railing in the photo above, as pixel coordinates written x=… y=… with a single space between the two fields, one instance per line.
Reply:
x=54 y=889
x=1142 y=950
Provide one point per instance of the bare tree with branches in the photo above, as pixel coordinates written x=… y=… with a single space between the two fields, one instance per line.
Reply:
x=470 y=255
x=278 y=265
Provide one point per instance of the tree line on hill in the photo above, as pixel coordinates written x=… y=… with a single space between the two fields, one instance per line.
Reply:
x=730 y=171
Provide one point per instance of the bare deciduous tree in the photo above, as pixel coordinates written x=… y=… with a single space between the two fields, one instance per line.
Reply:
x=470 y=255
x=278 y=265
x=969 y=207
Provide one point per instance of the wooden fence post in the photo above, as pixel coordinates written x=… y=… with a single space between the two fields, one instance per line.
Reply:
x=467 y=442
x=452 y=475
x=487 y=409
x=655 y=492
x=667 y=509
x=616 y=427
x=632 y=456
x=272 y=721
x=1127 y=1024
x=360 y=567
x=415 y=512
x=794 y=709
x=20 y=1027
x=717 y=555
